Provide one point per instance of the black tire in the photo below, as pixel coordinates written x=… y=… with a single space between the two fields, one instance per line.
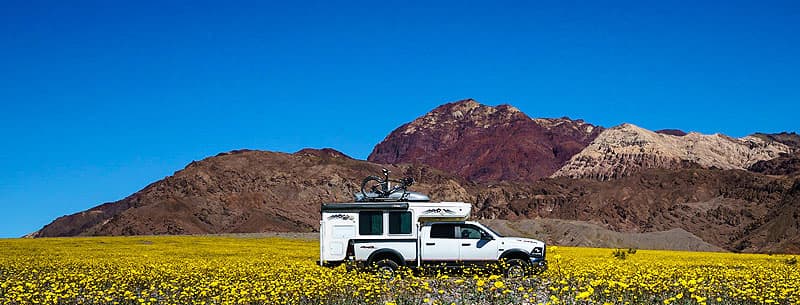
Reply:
x=516 y=268
x=366 y=187
x=386 y=267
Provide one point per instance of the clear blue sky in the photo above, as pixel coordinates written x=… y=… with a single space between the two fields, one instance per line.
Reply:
x=98 y=99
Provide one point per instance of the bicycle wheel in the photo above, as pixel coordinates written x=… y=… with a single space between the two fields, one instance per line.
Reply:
x=372 y=187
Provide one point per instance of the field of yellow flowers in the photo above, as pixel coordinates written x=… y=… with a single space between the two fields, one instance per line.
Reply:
x=248 y=270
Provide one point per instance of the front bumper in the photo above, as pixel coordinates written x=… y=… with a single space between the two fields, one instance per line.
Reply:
x=539 y=264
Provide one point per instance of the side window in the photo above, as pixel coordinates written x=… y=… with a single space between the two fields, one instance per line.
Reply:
x=370 y=223
x=470 y=232
x=443 y=231
x=399 y=222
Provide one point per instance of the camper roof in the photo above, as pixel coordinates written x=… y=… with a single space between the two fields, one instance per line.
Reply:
x=425 y=211
x=365 y=206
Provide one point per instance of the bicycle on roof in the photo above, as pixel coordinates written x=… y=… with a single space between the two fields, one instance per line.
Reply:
x=375 y=188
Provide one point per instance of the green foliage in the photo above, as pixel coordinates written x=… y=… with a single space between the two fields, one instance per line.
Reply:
x=620 y=254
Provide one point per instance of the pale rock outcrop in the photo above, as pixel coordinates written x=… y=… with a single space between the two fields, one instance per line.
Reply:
x=626 y=149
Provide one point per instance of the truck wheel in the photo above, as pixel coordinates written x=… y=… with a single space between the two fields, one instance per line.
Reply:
x=386 y=267
x=516 y=268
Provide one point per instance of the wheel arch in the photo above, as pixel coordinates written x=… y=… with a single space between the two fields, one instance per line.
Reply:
x=515 y=253
x=386 y=253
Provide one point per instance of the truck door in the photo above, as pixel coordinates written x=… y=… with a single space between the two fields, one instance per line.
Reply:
x=472 y=245
x=440 y=245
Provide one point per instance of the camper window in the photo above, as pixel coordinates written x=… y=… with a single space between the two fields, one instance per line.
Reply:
x=399 y=222
x=370 y=223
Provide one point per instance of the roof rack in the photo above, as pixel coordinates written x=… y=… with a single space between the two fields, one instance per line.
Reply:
x=364 y=206
x=406 y=196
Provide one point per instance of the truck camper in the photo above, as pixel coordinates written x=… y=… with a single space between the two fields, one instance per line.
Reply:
x=383 y=233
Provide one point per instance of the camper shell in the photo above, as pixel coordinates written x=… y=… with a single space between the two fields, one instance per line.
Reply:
x=395 y=224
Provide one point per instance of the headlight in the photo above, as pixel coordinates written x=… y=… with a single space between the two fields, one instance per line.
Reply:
x=537 y=252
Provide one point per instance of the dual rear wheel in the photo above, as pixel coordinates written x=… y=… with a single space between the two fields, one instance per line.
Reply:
x=385 y=267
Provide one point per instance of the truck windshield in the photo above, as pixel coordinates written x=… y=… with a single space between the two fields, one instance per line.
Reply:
x=493 y=231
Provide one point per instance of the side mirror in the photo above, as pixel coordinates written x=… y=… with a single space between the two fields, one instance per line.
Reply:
x=486 y=236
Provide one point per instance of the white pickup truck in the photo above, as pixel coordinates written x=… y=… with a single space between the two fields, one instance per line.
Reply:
x=388 y=235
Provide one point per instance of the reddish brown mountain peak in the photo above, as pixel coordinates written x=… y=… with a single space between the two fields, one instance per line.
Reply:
x=464 y=112
x=507 y=108
x=461 y=105
x=485 y=143
x=322 y=153
x=235 y=151
x=578 y=129
x=466 y=102
x=470 y=106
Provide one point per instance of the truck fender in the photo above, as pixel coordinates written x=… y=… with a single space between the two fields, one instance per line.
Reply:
x=518 y=253
x=386 y=252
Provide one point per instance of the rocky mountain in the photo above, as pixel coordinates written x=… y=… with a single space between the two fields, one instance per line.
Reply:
x=258 y=191
x=609 y=187
x=483 y=143
x=790 y=139
x=487 y=144
x=785 y=164
x=733 y=209
x=626 y=149
x=242 y=191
